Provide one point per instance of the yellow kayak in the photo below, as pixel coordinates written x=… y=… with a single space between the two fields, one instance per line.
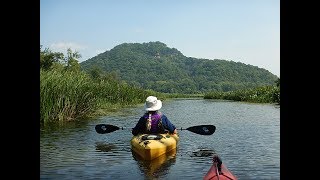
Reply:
x=151 y=146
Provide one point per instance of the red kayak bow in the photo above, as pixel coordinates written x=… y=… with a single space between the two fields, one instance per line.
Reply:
x=216 y=173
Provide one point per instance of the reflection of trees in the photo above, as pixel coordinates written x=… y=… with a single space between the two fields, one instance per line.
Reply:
x=157 y=167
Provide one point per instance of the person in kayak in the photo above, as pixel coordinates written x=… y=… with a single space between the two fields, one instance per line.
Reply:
x=153 y=121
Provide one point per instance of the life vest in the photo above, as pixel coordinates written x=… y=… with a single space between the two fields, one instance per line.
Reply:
x=156 y=123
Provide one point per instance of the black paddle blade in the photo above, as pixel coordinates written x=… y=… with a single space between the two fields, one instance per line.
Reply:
x=202 y=129
x=105 y=128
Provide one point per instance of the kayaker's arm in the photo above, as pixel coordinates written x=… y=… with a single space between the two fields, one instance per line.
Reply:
x=140 y=126
x=168 y=125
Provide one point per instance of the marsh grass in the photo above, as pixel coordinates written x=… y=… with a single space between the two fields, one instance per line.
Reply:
x=67 y=95
x=264 y=94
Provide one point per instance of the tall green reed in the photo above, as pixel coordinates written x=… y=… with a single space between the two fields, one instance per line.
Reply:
x=66 y=95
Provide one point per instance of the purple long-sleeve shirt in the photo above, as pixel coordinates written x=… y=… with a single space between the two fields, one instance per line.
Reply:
x=141 y=125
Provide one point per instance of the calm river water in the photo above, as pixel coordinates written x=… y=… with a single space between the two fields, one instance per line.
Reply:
x=247 y=138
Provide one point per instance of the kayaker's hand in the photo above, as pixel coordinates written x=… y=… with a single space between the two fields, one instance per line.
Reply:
x=175 y=131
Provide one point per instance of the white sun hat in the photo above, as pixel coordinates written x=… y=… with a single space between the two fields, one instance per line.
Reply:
x=152 y=104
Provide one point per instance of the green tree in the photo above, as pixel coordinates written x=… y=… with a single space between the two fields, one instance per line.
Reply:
x=48 y=58
x=71 y=61
x=96 y=72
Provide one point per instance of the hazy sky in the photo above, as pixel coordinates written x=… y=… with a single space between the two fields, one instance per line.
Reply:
x=246 y=31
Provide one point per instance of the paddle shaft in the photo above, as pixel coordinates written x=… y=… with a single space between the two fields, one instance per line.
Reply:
x=201 y=129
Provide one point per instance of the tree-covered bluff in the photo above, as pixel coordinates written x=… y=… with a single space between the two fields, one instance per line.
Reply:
x=155 y=66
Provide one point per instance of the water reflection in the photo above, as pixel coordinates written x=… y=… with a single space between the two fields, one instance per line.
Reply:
x=105 y=147
x=156 y=168
x=203 y=153
x=247 y=138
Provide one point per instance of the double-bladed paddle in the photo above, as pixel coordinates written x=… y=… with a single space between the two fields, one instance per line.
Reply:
x=201 y=129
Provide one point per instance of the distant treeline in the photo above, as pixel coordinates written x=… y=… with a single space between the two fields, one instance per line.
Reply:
x=263 y=94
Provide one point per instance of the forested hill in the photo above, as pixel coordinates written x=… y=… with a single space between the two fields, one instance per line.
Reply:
x=155 y=66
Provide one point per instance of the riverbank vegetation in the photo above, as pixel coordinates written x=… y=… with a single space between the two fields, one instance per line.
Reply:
x=66 y=93
x=263 y=94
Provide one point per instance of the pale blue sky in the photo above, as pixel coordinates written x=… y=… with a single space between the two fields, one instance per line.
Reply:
x=246 y=31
